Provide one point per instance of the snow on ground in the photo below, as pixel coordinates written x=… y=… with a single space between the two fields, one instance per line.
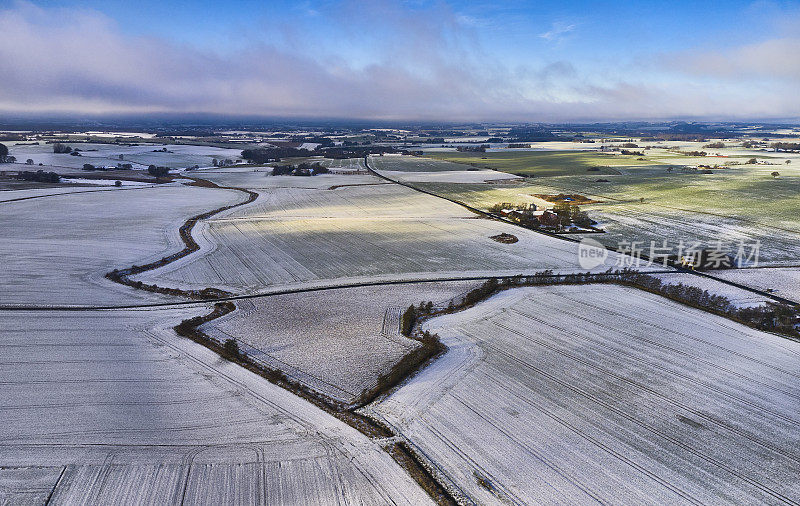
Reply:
x=105 y=182
x=140 y=156
x=57 y=249
x=261 y=178
x=113 y=408
x=345 y=164
x=450 y=176
x=783 y=281
x=9 y=195
x=601 y=393
x=649 y=224
x=299 y=234
x=335 y=341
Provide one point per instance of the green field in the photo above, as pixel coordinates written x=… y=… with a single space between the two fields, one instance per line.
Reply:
x=544 y=163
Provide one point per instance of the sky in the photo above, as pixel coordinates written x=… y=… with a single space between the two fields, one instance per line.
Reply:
x=548 y=61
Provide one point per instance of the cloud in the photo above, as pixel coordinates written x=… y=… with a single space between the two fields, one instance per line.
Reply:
x=777 y=58
x=423 y=64
x=558 y=31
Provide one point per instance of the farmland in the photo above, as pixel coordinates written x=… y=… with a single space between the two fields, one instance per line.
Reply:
x=113 y=407
x=56 y=249
x=140 y=156
x=573 y=394
x=299 y=387
x=654 y=202
x=542 y=163
x=303 y=230
x=336 y=348
x=782 y=281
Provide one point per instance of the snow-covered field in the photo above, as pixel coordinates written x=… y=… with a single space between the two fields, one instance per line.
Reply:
x=301 y=233
x=177 y=156
x=104 y=182
x=579 y=394
x=335 y=341
x=345 y=165
x=57 y=249
x=113 y=408
x=9 y=195
x=448 y=176
x=784 y=281
x=261 y=178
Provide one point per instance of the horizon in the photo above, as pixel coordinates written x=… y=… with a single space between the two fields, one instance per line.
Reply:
x=446 y=62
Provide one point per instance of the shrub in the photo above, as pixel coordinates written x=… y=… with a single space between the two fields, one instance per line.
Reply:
x=231 y=348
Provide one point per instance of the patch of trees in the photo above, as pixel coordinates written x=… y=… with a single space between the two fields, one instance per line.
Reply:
x=4 y=157
x=158 y=172
x=571 y=214
x=39 y=176
x=494 y=139
x=303 y=169
x=61 y=148
x=715 y=145
x=519 y=145
x=342 y=152
x=473 y=149
x=630 y=145
x=531 y=134
x=231 y=349
x=264 y=155
x=689 y=153
x=322 y=141
x=224 y=162
x=409 y=316
x=785 y=146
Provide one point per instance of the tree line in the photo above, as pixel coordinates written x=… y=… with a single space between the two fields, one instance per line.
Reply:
x=772 y=317
x=39 y=176
x=303 y=169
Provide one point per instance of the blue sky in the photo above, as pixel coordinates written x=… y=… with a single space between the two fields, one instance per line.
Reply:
x=458 y=60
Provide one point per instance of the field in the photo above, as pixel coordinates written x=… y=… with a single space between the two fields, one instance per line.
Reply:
x=782 y=281
x=412 y=164
x=176 y=156
x=551 y=395
x=302 y=230
x=261 y=178
x=56 y=249
x=542 y=163
x=335 y=341
x=577 y=394
x=113 y=408
x=743 y=203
